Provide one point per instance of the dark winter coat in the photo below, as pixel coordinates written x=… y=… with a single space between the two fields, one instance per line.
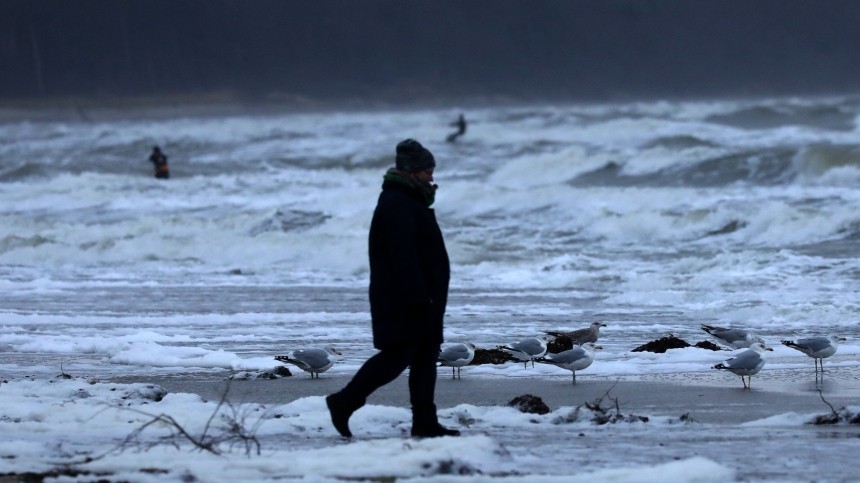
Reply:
x=409 y=270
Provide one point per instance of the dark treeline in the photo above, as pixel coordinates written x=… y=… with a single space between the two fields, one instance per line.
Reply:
x=427 y=49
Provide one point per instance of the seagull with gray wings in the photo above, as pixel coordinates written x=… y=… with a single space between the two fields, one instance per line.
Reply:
x=746 y=364
x=581 y=336
x=573 y=360
x=456 y=356
x=818 y=348
x=733 y=337
x=314 y=359
x=527 y=349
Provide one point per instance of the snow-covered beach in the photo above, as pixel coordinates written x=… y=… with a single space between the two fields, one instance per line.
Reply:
x=673 y=428
x=652 y=217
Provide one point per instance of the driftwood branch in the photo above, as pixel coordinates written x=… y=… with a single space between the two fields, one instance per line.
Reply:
x=835 y=417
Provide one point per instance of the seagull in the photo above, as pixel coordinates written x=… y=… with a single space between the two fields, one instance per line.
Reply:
x=457 y=356
x=581 y=336
x=747 y=363
x=526 y=350
x=818 y=348
x=576 y=359
x=735 y=338
x=314 y=359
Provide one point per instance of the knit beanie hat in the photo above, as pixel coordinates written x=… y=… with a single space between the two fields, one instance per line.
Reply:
x=413 y=157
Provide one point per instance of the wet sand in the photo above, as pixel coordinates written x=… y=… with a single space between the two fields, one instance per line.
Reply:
x=708 y=398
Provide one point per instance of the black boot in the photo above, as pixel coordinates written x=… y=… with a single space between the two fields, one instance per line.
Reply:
x=340 y=412
x=433 y=431
x=426 y=425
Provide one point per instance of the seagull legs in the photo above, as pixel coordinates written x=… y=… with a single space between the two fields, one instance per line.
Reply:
x=819 y=370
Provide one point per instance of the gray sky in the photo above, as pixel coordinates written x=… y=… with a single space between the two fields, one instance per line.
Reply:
x=426 y=50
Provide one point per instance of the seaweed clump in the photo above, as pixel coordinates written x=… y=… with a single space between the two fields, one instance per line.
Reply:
x=529 y=404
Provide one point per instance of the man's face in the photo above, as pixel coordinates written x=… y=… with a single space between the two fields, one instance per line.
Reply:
x=426 y=175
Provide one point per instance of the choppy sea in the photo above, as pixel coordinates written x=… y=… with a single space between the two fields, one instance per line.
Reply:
x=653 y=217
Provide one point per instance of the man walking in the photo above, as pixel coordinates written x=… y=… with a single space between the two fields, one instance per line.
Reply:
x=409 y=275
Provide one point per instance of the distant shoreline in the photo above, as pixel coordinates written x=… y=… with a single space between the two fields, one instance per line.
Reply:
x=108 y=108
x=82 y=109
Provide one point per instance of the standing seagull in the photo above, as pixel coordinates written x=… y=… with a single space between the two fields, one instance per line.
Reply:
x=747 y=363
x=818 y=348
x=581 y=336
x=457 y=356
x=526 y=350
x=573 y=360
x=734 y=338
x=313 y=360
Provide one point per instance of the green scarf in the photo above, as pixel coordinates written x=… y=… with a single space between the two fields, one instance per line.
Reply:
x=426 y=190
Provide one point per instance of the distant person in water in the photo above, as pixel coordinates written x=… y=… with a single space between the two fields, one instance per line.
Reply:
x=460 y=124
x=159 y=160
x=409 y=275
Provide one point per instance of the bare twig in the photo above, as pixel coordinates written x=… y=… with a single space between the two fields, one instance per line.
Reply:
x=63 y=373
x=234 y=431
x=218 y=407
x=603 y=415
x=832 y=409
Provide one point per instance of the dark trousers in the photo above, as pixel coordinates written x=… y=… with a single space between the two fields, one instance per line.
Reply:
x=385 y=366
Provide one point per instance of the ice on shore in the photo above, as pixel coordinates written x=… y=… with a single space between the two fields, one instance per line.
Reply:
x=85 y=426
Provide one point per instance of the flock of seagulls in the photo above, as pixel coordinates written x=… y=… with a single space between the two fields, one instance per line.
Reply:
x=531 y=349
x=749 y=362
x=584 y=344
